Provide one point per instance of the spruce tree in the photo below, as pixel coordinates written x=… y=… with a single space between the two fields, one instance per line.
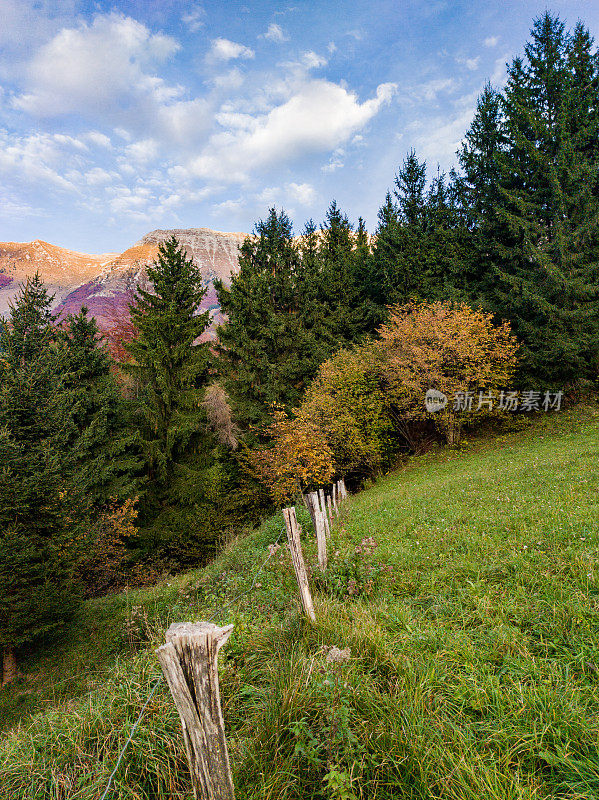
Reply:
x=169 y=363
x=39 y=510
x=103 y=456
x=184 y=503
x=272 y=342
x=536 y=213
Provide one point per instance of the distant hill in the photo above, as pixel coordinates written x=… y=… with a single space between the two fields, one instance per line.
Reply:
x=104 y=283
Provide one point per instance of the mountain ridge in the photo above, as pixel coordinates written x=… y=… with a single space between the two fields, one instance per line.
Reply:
x=105 y=282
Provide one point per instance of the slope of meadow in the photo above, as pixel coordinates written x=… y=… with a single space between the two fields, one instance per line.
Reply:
x=473 y=628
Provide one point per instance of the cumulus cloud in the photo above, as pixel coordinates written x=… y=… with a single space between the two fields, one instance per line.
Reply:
x=225 y=50
x=96 y=67
x=431 y=89
x=227 y=81
x=318 y=117
x=97 y=138
x=275 y=33
x=312 y=60
x=302 y=192
x=99 y=177
x=491 y=41
x=143 y=151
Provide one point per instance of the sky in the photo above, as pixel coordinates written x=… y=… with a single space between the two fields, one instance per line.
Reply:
x=119 y=118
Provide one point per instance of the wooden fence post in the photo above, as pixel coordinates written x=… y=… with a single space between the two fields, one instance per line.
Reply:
x=342 y=489
x=321 y=538
x=297 y=557
x=189 y=663
x=329 y=508
x=323 y=508
x=336 y=498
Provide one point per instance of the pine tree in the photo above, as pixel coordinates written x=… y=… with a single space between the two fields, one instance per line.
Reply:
x=103 y=453
x=271 y=344
x=171 y=366
x=39 y=511
x=535 y=215
x=339 y=290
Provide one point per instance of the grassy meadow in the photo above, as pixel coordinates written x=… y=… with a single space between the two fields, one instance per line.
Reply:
x=465 y=585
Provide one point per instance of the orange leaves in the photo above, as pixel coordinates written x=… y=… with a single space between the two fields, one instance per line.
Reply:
x=298 y=456
x=445 y=347
x=451 y=348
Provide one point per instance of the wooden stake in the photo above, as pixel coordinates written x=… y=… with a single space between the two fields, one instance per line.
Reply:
x=297 y=557
x=313 y=506
x=323 y=508
x=321 y=538
x=336 y=498
x=189 y=663
x=343 y=489
x=329 y=508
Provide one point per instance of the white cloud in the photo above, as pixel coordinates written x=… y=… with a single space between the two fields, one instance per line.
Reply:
x=230 y=80
x=491 y=41
x=95 y=67
x=331 y=47
x=438 y=138
x=430 y=89
x=15 y=209
x=99 y=177
x=97 y=138
x=275 y=33
x=469 y=63
x=195 y=18
x=36 y=158
x=312 y=60
x=302 y=192
x=225 y=50
x=499 y=75
x=318 y=117
x=143 y=151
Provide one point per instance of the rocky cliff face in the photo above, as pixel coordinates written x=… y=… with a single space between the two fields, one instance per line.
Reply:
x=60 y=268
x=105 y=283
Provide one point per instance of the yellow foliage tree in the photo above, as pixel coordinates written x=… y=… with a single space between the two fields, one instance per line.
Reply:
x=347 y=404
x=298 y=456
x=451 y=348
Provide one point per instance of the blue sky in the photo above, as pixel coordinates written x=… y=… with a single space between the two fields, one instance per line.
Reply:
x=118 y=118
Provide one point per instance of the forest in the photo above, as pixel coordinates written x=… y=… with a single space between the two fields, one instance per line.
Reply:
x=117 y=470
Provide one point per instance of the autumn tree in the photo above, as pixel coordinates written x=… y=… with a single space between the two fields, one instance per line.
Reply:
x=346 y=403
x=297 y=457
x=450 y=348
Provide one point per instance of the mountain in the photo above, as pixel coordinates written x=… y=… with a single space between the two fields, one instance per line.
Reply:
x=105 y=283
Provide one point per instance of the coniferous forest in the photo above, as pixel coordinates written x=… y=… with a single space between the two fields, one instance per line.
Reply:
x=113 y=472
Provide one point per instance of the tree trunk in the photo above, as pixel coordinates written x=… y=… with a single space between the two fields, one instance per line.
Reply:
x=9 y=666
x=454 y=430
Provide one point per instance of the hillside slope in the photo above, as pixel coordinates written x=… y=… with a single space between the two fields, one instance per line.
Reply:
x=474 y=669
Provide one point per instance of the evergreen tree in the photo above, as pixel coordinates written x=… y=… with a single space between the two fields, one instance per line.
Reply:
x=536 y=212
x=39 y=511
x=272 y=342
x=103 y=457
x=171 y=366
x=185 y=502
x=337 y=262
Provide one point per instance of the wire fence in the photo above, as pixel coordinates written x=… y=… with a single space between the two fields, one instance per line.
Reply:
x=272 y=550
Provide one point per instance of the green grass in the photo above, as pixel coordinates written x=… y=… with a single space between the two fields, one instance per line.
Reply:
x=474 y=669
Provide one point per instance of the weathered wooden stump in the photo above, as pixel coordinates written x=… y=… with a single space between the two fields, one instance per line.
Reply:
x=189 y=663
